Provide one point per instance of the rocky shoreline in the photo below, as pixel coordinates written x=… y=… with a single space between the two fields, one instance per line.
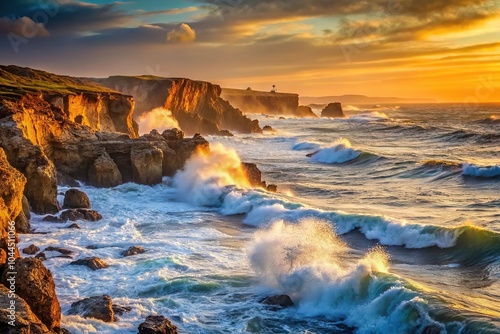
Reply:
x=65 y=131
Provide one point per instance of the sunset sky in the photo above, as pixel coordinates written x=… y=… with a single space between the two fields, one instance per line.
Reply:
x=448 y=50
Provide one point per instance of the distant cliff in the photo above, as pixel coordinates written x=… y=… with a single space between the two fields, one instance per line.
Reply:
x=277 y=104
x=196 y=105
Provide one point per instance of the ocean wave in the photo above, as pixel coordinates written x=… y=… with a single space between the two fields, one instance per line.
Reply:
x=340 y=152
x=369 y=117
x=483 y=172
x=306 y=146
x=305 y=261
x=463 y=135
x=492 y=120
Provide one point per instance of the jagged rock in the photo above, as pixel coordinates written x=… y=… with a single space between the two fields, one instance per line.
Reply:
x=147 y=165
x=23 y=225
x=66 y=180
x=58 y=249
x=157 y=324
x=93 y=263
x=34 y=283
x=41 y=256
x=173 y=135
x=120 y=310
x=11 y=194
x=31 y=250
x=252 y=173
x=76 y=199
x=305 y=111
x=98 y=307
x=278 y=300
x=24 y=320
x=80 y=214
x=333 y=110
x=104 y=172
x=134 y=250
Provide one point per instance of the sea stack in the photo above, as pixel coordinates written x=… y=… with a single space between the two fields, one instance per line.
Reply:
x=333 y=110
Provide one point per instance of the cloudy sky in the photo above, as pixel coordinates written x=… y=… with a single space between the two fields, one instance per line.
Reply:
x=448 y=50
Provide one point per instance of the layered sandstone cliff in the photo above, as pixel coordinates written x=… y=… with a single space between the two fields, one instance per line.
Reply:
x=196 y=105
x=268 y=103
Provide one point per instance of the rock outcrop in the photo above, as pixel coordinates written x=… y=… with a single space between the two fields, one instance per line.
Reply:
x=196 y=105
x=133 y=250
x=23 y=319
x=99 y=307
x=104 y=172
x=93 y=263
x=278 y=300
x=268 y=103
x=333 y=110
x=157 y=324
x=11 y=196
x=34 y=284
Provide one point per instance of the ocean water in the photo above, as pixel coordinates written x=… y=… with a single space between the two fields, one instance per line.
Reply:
x=391 y=226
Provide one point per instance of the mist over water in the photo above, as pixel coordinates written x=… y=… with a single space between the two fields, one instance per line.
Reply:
x=160 y=119
x=392 y=226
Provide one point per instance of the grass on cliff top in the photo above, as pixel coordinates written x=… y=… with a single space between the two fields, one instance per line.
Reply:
x=247 y=92
x=18 y=81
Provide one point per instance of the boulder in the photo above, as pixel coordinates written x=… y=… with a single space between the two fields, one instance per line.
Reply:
x=58 y=249
x=157 y=324
x=25 y=321
x=30 y=250
x=41 y=256
x=76 y=199
x=93 y=263
x=268 y=128
x=134 y=250
x=272 y=188
x=80 y=214
x=52 y=219
x=74 y=225
x=104 y=172
x=278 y=300
x=98 y=307
x=120 y=310
x=34 y=283
x=147 y=165
x=23 y=225
x=333 y=110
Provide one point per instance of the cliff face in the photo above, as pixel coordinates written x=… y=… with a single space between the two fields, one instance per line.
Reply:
x=196 y=105
x=78 y=101
x=277 y=104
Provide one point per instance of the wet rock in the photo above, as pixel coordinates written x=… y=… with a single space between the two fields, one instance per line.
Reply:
x=74 y=225
x=268 y=128
x=26 y=207
x=104 y=172
x=25 y=321
x=305 y=111
x=41 y=256
x=76 y=199
x=272 y=188
x=98 y=307
x=52 y=219
x=80 y=214
x=134 y=250
x=31 y=250
x=278 y=300
x=93 y=263
x=173 y=134
x=252 y=173
x=34 y=283
x=157 y=324
x=333 y=110
x=58 y=249
x=120 y=310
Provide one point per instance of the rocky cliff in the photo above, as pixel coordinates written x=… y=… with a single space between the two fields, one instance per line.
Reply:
x=76 y=100
x=196 y=105
x=269 y=103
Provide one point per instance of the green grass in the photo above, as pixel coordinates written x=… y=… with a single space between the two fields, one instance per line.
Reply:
x=19 y=81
